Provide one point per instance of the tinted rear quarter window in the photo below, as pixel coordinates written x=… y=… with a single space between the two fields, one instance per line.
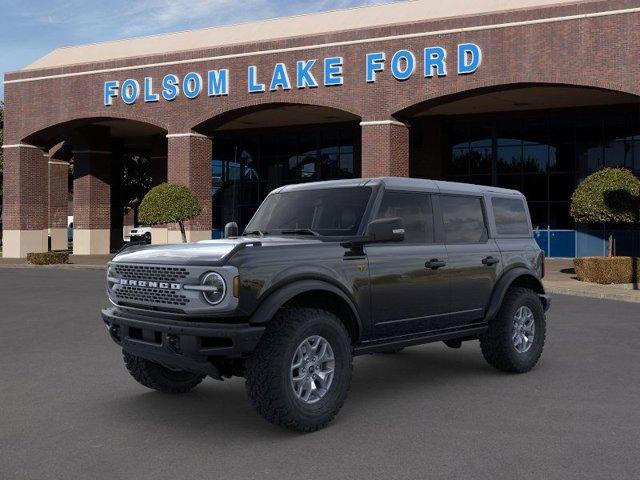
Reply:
x=463 y=219
x=510 y=215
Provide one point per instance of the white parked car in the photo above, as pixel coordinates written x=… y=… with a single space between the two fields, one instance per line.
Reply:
x=140 y=234
x=70 y=228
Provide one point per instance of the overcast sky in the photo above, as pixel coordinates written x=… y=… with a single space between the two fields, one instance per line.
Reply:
x=31 y=28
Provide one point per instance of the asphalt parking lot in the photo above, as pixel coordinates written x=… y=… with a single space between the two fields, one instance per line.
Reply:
x=69 y=410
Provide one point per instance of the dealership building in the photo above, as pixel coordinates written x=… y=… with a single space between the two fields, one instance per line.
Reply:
x=527 y=94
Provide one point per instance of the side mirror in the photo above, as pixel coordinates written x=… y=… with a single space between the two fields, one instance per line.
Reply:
x=231 y=230
x=385 y=230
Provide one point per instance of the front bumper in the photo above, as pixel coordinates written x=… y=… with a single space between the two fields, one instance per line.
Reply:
x=181 y=344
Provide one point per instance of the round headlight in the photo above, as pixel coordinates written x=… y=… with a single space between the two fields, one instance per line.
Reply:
x=215 y=288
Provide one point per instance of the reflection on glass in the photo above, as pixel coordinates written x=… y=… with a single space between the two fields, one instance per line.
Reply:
x=510 y=159
x=249 y=164
x=543 y=153
x=335 y=212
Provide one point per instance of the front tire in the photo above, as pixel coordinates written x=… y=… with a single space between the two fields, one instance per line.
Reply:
x=300 y=372
x=157 y=377
x=515 y=338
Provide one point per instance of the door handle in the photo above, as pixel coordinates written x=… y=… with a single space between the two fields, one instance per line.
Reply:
x=435 y=264
x=489 y=261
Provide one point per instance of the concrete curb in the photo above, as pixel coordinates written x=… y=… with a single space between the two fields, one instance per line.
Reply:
x=590 y=291
x=68 y=266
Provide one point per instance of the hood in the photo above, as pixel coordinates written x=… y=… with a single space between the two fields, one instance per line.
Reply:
x=207 y=252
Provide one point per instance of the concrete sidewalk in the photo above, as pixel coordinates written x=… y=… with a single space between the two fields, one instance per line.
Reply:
x=93 y=262
x=560 y=277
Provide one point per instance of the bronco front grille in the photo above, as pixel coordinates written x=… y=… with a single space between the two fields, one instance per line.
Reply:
x=152 y=273
x=150 y=295
x=129 y=284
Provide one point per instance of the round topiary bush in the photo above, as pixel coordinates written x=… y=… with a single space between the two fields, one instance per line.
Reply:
x=609 y=196
x=169 y=203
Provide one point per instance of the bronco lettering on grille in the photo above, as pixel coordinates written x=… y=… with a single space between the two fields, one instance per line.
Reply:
x=149 y=284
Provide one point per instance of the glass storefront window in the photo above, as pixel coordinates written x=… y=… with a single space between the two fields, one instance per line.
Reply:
x=249 y=164
x=543 y=154
x=510 y=159
x=618 y=154
x=535 y=158
x=480 y=160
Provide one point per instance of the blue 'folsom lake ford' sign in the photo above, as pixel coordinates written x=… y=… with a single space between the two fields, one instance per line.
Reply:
x=309 y=73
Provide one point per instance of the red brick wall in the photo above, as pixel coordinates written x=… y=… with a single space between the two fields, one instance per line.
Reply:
x=385 y=150
x=595 y=52
x=25 y=192
x=58 y=188
x=188 y=160
x=92 y=190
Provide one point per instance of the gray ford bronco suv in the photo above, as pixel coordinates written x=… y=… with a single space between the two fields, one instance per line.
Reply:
x=325 y=271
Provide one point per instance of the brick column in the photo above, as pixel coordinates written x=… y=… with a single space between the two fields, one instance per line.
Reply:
x=158 y=160
x=189 y=164
x=58 y=190
x=92 y=192
x=25 y=200
x=385 y=149
x=159 y=233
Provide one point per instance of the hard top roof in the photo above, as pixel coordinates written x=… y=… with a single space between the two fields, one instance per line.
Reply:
x=403 y=183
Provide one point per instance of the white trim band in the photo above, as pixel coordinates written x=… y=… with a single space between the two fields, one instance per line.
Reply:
x=383 y=122
x=21 y=145
x=190 y=134
x=327 y=45
x=58 y=162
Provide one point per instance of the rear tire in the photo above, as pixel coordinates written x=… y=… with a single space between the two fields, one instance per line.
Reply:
x=515 y=338
x=296 y=336
x=157 y=377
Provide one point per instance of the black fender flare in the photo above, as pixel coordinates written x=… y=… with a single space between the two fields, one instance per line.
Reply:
x=504 y=283
x=277 y=298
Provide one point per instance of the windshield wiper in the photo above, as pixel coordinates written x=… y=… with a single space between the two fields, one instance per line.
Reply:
x=255 y=232
x=300 y=231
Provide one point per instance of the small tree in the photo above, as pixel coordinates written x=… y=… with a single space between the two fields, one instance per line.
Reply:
x=169 y=203
x=609 y=196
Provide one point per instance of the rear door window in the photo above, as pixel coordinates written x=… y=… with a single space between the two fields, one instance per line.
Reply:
x=414 y=209
x=510 y=215
x=463 y=219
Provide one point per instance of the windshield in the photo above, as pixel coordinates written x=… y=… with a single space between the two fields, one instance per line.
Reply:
x=326 y=211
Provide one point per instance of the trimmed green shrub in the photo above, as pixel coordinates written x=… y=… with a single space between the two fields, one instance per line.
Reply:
x=609 y=196
x=607 y=270
x=48 y=258
x=169 y=203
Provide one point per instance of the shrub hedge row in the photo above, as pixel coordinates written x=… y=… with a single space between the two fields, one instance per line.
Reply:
x=47 y=258
x=607 y=270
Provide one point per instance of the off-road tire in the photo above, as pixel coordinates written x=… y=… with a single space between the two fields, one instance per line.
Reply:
x=157 y=377
x=497 y=345
x=268 y=380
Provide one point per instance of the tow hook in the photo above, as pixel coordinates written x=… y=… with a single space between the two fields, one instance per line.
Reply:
x=114 y=331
